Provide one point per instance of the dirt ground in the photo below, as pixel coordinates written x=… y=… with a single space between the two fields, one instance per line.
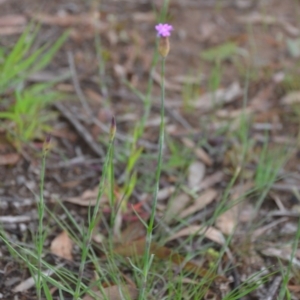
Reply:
x=259 y=75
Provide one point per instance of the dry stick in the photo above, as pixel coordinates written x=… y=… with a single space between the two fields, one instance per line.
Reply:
x=179 y=118
x=286 y=213
x=17 y=219
x=81 y=160
x=80 y=129
x=271 y=294
x=80 y=95
x=30 y=282
x=285 y=187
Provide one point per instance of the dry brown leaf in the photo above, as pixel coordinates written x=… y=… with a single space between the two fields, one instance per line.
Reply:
x=220 y=96
x=9 y=159
x=115 y=292
x=12 y=24
x=262 y=100
x=199 y=152
x=210 y=233
x=196 y=173
x=291 y=98
x=214 y=235
x=88 y=198
x=62 y=246
x=206 y=198
x=230 y=218
x=12 y=20
x=165 y=193
x=210 y=181
x=187 y=231
x=65 y=87
x=133 y=232
x=284 y=253
x=289 y=28
x=177 y=204
x=10 y=30
x=64 y=133
x=137 y=248
x=95 y=97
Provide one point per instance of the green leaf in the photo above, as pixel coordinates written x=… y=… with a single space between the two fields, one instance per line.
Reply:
x=47 y=290
x=7 y=115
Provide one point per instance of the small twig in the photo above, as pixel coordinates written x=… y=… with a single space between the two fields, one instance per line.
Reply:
x=80 y=129
x=79 y=160
x=29 y=282
x=17 y=219
x=286 y=213
x=285 y=187
x=179 y=118
x=278 y=202
x=258 y=232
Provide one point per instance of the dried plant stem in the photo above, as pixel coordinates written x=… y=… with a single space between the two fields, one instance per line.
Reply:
x=147 y=256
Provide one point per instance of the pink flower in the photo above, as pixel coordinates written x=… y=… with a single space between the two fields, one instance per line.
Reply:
x=163 y=30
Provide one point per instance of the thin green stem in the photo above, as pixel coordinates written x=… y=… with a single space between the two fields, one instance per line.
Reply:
x=40 y=237
x=147 y=260
x=111 y=182
x=93 y=221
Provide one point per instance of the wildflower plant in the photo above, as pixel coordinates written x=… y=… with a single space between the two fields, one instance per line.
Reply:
x=163 y=33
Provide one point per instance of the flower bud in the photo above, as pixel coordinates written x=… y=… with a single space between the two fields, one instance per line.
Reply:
x=113 y=128
x=163 y=32
x=47 y=144
x=164 y=46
